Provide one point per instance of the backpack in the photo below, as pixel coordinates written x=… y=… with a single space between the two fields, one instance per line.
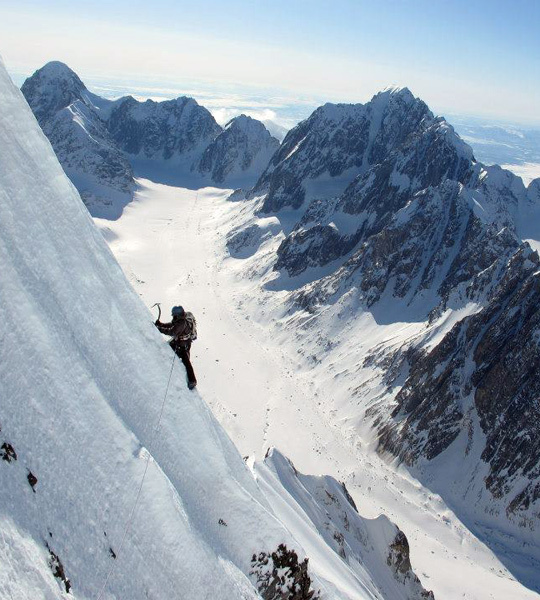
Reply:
x=190 y=318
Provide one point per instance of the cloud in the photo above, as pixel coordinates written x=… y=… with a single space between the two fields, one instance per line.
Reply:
x=226 y=113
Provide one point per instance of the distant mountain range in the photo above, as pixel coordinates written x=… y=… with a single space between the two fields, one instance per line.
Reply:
x=399 y=260
x=103 y=144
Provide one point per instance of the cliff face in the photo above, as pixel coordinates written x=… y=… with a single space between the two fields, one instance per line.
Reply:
x=239 y=154
x=486 y=365
x=321 y=155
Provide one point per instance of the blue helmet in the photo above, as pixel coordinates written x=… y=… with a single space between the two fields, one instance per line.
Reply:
x=178 y=311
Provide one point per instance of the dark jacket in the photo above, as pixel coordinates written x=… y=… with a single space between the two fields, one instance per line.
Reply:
x=181 y=332
x=179 y=329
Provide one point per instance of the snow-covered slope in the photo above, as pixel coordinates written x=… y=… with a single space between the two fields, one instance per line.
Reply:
x=239 y=154
x=83 y=375
x=72 y=118
x=273 y=380
x=369 y=554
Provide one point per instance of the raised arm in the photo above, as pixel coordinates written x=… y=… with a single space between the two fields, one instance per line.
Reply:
x=166 y=328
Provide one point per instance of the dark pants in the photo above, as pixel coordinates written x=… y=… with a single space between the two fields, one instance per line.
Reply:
x=182 y=350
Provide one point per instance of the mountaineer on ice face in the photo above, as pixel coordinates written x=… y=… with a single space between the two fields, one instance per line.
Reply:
x=183 y=330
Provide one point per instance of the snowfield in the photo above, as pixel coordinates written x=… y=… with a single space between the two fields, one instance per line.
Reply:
x=171 y=243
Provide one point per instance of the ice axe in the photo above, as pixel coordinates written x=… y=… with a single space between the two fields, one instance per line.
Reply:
x=158 y=304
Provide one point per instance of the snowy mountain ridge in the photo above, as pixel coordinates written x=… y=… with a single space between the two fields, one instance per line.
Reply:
x=399 y=271
x=410 y=280
x=102 y=143
x=322 y=154
x=78 y=430
x=244 y=146
x=70 y=117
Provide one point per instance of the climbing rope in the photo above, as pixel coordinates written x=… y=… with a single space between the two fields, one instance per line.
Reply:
x=134 y=507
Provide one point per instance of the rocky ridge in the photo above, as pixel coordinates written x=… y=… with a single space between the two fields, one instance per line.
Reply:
x=239 y=153
x=101 y=143
x=359 y=544
x=70 y=116
x=322 y=154
x=421 y=233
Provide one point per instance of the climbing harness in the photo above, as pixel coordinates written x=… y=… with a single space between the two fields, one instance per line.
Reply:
x=134 y=507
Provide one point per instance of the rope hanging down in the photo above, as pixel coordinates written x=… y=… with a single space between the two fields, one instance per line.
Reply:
x=134 y=508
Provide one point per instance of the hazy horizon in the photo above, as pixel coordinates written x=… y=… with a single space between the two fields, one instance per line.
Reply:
x=460 y=58
x=228 y=100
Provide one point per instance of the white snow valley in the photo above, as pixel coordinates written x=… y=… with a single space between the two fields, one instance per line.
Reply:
x=84 y=376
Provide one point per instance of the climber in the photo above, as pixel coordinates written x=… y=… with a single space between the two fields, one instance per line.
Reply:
x=183 y=330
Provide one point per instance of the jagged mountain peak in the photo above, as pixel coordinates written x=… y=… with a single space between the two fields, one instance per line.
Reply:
x=247 y=123
x=534 y=187
x=390 y=97
x=239 y=153
x=397 y=91
x=57 y=69
x=337 y=143
x=149 y=106
x=423 y=235
x=179 y=100
x=178 y=129
x=52 y=88
x=239 y=120
x=73 y=120
x=100 y=142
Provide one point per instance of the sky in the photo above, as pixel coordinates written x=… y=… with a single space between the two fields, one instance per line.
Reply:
x=477 y=58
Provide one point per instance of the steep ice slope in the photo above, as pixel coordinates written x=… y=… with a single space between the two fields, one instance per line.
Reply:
x=83 y=374
x=72 y=118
